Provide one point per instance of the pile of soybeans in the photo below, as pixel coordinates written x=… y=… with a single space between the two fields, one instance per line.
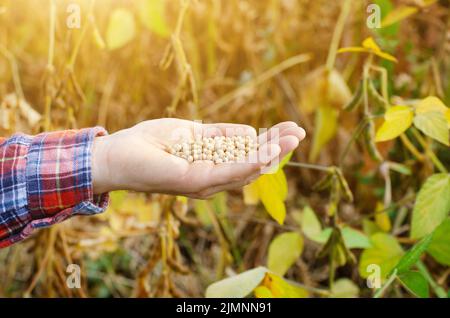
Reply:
x=219 y=149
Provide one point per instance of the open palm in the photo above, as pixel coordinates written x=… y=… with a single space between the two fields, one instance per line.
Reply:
x=138 y=159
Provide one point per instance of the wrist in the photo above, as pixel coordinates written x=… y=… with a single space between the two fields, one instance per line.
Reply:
x=101 y=165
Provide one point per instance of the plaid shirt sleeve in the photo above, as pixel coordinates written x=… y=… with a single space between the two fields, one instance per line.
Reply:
x=44 y=180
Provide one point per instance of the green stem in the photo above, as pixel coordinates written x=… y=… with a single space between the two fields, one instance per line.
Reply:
x=408 y=144
x=354 y=136
x=383 y=289
x=309 y=166
x=439 y=165
x=366 y=78
x=438 y=290
x=384 y=83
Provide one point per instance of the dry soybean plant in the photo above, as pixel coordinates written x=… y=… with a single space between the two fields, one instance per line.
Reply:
x=369 y=186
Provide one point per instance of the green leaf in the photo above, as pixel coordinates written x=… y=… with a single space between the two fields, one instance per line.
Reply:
x=415 y=283
x=413 y=255
x=323 y=236
x=121 y=28
x=237 y=286
x=352 y=238
x=396 y=120
x=310 y=224
x=434 y=125
x=152 y=14
x=398 y=14
x=325 y=129
x=344 y=288
x=391 y=30
x=284 y=250
x=385 y=252
x=432 y=205
x=433 y=104
x=439 y=247
x=370 y=227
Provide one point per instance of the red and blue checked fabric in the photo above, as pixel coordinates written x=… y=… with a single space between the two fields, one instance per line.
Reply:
x=45 y=179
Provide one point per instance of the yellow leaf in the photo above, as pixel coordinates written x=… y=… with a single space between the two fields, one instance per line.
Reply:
x=279 y=182
x=339 y=94
x=262 y=292
x=285 y=160
x=397 y=120
x=386 y=56
x=284 y=250
x=431 y=104
x=280 y=288
x=121 y=28
x=152 y=14
x=447 y=116
x=313 y=88
x=398 y=14
x=322 y=87
x=353 y=49
x=271 y=191
x=325 y=129
x=382 y=218
x=251 y=194
x=370 y=44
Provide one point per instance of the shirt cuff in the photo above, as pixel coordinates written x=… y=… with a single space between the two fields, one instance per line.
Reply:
x=59 y=178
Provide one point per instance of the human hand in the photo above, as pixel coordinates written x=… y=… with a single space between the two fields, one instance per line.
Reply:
x=137 y=158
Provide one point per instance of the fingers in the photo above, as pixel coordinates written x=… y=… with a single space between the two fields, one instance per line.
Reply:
x=206 y=174
x=276 y=131
x=227 y=173
x=286 y=143
x=206 y=178
x=228 y=130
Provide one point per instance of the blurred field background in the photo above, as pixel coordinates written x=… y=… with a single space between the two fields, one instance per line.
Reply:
x=249 y=61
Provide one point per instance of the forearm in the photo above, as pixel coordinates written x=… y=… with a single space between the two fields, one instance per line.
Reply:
x=45 y=179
